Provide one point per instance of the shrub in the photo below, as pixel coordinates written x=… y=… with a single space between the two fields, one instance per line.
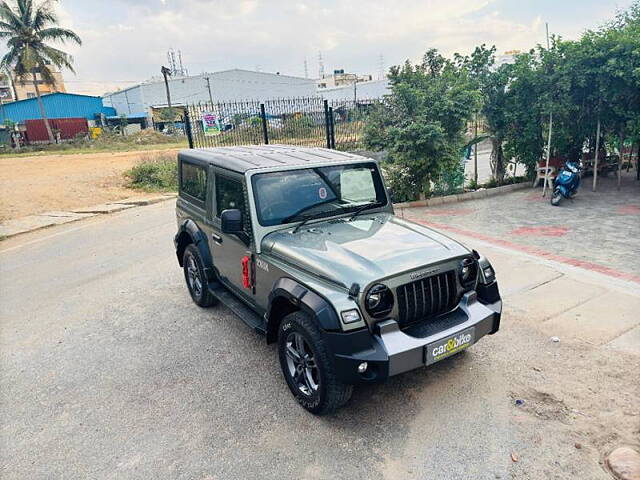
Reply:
x=155 y=172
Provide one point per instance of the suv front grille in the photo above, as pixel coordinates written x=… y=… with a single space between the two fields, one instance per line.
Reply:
x=426 y=297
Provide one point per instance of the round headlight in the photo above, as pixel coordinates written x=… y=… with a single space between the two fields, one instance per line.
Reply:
x=379 y=300
x=467 y=272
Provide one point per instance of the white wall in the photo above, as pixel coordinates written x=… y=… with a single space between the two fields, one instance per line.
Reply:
x=364 y=90
x=225 y=86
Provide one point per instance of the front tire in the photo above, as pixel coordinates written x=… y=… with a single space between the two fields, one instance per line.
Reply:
x=196 y=278
x=306 y=366
x=556 y=196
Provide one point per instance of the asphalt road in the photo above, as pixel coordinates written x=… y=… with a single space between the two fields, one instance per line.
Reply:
x=108 y=370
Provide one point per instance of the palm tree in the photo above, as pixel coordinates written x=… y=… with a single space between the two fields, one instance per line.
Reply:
x=26 y=28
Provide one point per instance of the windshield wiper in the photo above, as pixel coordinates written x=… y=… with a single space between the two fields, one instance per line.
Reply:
x=297 y=214
x=362 y=208
x=314 y=216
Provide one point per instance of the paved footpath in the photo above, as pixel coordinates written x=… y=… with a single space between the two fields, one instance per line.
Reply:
x=597 y=231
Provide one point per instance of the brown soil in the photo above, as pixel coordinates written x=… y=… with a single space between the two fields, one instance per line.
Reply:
x=31 y=185
x=580 y=402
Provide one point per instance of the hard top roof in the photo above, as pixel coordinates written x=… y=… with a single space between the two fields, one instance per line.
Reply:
x=241 y=159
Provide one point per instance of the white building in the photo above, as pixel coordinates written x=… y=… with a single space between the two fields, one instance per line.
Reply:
x=225 y=86
x=360 y=91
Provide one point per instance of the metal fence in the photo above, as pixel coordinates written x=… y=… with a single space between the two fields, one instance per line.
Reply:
x=306 y=121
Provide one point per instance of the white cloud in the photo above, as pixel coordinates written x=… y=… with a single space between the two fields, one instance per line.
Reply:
x=279 y=34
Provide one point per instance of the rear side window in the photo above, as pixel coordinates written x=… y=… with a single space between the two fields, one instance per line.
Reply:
x=193 y=181
x=229 y=194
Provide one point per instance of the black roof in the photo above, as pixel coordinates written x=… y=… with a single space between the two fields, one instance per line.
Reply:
x=241 y=159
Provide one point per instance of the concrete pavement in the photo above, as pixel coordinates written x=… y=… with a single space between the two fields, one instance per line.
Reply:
x=110 y=371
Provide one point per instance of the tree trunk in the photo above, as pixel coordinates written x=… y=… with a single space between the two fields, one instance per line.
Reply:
x=41 y=106
x=497 y=160
x=620 y=157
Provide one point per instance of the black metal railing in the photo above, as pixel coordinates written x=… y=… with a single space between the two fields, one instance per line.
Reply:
x=303 y=121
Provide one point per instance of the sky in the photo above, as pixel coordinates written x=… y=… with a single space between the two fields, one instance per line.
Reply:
x=126 y=41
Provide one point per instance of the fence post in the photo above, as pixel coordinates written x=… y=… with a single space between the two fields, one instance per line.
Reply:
x=327 y=123
x=265 y=133
x=332 y=129
x=187 y=125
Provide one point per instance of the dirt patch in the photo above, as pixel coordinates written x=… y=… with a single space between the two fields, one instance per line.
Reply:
x=576 y=403
x=30 y=185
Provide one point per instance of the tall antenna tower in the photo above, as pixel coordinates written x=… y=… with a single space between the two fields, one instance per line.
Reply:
x=183 y=71
x=320 y=66
x=175 y=64
x=306 y=68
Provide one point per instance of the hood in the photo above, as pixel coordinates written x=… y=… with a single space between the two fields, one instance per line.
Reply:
x=369 y=248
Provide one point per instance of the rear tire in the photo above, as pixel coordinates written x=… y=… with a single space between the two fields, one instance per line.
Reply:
x=306 y=366
x=196 y=278
x=556 y=196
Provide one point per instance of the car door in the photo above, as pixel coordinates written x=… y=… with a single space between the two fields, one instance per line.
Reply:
x=229 y=250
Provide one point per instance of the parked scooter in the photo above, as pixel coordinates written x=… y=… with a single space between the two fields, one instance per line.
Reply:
x=566 y=183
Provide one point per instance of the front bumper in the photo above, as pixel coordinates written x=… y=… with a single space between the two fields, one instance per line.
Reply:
x=390 y=351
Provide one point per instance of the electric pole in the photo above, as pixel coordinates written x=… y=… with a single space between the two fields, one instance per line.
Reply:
x=209 y=88
x=546 y=173
x=475 y=154
x=165 y=73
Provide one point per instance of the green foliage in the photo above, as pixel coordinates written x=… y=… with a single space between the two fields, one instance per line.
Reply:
x=400 y=183
x=156 y=172
x=449 y=181
x=421 y=124
x=26 y=29
x=123 y=121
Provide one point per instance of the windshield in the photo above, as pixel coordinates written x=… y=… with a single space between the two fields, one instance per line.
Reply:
x=292 y=195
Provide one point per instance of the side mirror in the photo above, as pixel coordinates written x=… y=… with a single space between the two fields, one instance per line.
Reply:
x=231 y=220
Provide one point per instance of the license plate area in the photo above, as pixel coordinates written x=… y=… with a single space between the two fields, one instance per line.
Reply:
x=436 y=351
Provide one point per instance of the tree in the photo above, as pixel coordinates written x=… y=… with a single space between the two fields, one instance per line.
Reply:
x=27 y=28
x=421 y=123
x=492 y=85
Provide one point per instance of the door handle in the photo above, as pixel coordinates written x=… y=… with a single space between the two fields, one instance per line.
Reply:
x=216 y=238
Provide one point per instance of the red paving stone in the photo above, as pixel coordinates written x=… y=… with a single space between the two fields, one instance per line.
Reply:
x=541 y=231
x=628 y=210
x=449 y=211
x=535 y=251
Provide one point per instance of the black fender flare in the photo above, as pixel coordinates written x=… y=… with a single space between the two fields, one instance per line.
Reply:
x=199 y=239
x=302 y=298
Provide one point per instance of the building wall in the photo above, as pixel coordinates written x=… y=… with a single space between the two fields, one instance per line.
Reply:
x=25 y=88
x=57 y=105
x=226 y=86
x=364 y=90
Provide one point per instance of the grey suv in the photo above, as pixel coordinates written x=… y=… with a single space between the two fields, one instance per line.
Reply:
x=303 y=245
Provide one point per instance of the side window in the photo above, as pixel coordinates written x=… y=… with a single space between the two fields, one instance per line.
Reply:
x=229 y=194
x=194 y=181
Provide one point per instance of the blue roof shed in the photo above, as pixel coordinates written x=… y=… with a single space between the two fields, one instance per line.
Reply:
x=56 y=105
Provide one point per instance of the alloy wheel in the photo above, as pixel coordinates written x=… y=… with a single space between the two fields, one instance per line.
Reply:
x=301 y=364
x=193 y=277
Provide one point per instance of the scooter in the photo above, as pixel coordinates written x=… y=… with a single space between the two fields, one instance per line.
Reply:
x=566 y=183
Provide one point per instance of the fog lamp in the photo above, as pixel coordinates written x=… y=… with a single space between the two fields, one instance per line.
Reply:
x=363 y=367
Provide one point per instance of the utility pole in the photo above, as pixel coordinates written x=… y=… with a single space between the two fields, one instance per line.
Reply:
x=546 y=173
x=165 y=73
x=209 y=88
x=475 y=154
x=355 y=90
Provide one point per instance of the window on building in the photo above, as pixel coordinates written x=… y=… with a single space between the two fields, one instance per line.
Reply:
x=229 y=194
x=194 y=181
